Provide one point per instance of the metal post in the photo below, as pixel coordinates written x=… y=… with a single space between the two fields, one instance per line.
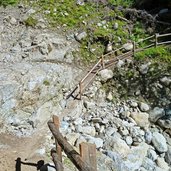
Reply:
x=102 y=62
x=156 y=36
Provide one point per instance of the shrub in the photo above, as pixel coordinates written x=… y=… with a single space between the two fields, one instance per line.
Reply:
x=8 y=2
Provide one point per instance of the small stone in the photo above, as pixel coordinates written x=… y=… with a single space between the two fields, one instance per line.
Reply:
x=143 y=69
x=88 y=130
x=164 y=123
x=168 y=155
x=144 y=107
x=13 y=21
x=78 y=121
x=115 y=26
x=151 y=154
x=109 y=47
x=97 y=141
x=159 y=142
x=128 y=46
x=110 y=131
x=96 y=120
x=148 y=137
x=129 y=140
x=162 y=164
x=133 y=104
x=109 y=96
x=120 y=64
x=166 y=81
x=80 y=36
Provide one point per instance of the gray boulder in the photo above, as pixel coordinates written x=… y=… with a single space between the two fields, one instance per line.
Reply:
x=156 y=113
x=106 y=74
x=159 y=142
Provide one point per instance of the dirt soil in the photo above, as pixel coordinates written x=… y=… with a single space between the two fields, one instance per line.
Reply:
x=22 y=148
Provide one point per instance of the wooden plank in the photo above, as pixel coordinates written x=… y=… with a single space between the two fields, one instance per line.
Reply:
x=72 y=154
x=56 y=160
x=58 y=147
x=88 y=154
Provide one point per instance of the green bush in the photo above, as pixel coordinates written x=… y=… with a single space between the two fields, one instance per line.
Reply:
x=159 y=53
x=30 y=21
x=8 y=2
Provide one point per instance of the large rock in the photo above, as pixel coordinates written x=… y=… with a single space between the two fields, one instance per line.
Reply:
x=168 y=155
x=141 y=119
x=117 y=145
x=136 y=156
x=165 y=123
x=159 y=142
x=106 y=74
x=97 y=141
x=156 y=113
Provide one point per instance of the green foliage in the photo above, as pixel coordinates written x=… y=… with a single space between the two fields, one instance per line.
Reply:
x=95 y=18
x=159 y=53
x=124 y=3
x=46 y=82
x=30 y=21
x=8 y=2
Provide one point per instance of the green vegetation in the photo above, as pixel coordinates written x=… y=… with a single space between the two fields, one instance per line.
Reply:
x=97 y=19
x=8 y=2
x=30 y=21
x=46 y=82
x=159 y=53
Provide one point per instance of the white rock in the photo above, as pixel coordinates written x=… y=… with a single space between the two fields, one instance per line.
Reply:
x=106 y=74
x=129 y=140
x=159 y=142
x=151 y=154
x=144 y=107
x=80 y=36
x=141 y=119
x=115 y=26
x=120 y=63
x=128 y=46
x=162 y=164
x=97 y=141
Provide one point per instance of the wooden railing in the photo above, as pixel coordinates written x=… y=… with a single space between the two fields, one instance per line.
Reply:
x=103 y=63
x=84 y=161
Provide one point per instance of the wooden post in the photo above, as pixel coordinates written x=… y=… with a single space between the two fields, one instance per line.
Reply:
x=58 y=147
x=72 y=154
x=56 y=160
x=80 y=86
x=156 y=36
x=88 y=154
x=102 y=62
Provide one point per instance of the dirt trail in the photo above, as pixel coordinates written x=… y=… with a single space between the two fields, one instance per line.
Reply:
x=23 y=148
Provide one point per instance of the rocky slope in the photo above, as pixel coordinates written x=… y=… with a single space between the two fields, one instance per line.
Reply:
x=125 y=112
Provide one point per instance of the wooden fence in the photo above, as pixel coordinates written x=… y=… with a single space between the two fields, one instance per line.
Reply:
x=111 y=58
x=84 y=161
